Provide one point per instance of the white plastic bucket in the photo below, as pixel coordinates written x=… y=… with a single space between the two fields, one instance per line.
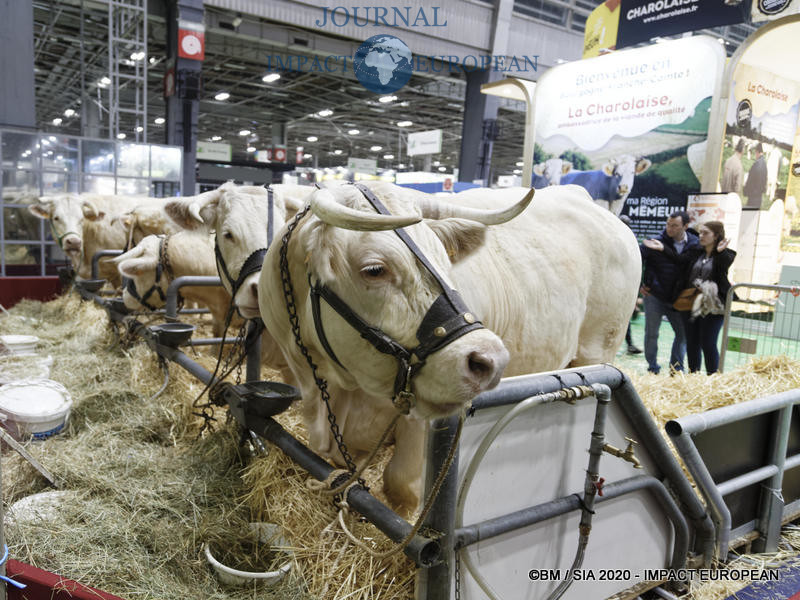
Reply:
x=266 y=533
x=21 y=345
x=35 y=408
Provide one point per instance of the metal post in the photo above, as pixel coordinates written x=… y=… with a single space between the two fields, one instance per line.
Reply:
x=769 y=523
x=434 y=583
x=171 y=306
x=253 y=343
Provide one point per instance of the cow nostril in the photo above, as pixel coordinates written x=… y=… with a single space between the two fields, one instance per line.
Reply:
x=479 y=365
x=254 y=289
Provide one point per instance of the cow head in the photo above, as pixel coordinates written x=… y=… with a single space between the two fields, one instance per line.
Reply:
x=65 y=214
x=621 y=172
x=552 y=169
x=349 y=248
x=141 y=266
x=144 y=220
x=239 y=215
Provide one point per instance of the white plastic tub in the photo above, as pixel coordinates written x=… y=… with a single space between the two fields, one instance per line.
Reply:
x=34 y=408
x=266 y=533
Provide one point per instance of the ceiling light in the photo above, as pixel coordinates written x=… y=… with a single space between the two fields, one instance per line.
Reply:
x=311 y=138
x=325 y=113
x=222 y=96
x=401 y=166
x=517 y=172
x=60 y=157
x=139 y=129
x=307 y=155
x=137 y=55
x=271 y=77
x=244 y=132
x=385 y=99
x=436 y=163
x=519 y=164
x=376 y=148
x=158 y=120
x=45 y=143
x=105 y=81
x=152 y=60
x=404 y=123
x=388 y=156
x=337 y=152
x=251 y=148
x=442 y=169
x=69 y=112
x=57 y=121
x=353 y=132
x=121 y=136
x=216 y=138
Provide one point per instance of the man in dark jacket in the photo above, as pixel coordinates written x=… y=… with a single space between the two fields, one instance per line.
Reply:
x=658 y=288
x=756 y=183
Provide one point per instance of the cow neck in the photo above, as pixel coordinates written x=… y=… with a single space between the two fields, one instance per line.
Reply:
x=253 y=262
x=447 y=319
x=162 y=265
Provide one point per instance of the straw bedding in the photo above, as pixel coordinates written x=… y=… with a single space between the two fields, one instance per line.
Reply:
x=151 y=490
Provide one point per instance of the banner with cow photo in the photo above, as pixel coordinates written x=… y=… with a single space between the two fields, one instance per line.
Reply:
x=631 y=127
x=761 y=128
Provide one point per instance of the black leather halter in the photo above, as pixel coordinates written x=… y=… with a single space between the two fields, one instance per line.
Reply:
x=155 y=288
x=253 y=262
x=446 y=320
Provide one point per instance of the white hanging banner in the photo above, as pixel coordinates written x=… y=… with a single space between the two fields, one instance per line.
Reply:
x=425 y=142
x=627 y=93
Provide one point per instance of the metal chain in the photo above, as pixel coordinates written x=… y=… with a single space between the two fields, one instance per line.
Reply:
x=457 y=586
x=291 y=309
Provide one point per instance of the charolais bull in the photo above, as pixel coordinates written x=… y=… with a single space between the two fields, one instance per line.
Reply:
x=554 y=286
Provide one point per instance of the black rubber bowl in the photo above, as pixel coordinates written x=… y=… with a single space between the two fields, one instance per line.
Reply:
x=267 y=398
x=66 y=275
x=90 y=285
x=117 y=305
x=173 y=334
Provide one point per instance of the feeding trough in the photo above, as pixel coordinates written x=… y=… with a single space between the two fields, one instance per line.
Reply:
x=173 y=334
x=262 y=398
x=90 y=285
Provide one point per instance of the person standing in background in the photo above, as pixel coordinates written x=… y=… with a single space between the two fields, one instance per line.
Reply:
x=706 y=268
x=658 y=288
x=733 y=171
x=756 y=183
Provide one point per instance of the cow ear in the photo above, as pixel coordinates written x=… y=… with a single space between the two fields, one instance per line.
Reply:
x=90 y=211
x=460 y=237
x=43 y=210
x=187 y=212
x=642 y=165
x=608 y=168
x=538 y=169
x=566 y=167
x=136 y=266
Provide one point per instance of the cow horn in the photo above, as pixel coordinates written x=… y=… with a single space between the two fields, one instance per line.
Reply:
x=194 y=210
x=435 y=209
x=325 y=207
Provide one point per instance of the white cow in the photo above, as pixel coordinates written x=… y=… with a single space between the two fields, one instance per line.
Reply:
x=181 y=254
x=82 y=224
x=557 y=284
x=549 y=172
x=239 y=215
x=775 y=159
x=144 y=220
x=610 y=186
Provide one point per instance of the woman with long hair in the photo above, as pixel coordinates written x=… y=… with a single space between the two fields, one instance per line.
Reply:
x=706 y=269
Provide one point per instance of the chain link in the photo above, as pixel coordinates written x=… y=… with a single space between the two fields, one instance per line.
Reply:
x=457 y=561
x=291 y=309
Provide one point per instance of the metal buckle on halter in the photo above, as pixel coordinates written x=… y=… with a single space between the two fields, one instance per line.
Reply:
x=405 y=400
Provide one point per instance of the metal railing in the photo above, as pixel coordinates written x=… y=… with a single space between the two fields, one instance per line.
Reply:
x=766 y=327
x=770 y=475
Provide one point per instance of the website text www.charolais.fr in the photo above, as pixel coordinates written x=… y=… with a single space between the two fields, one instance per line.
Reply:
x=672 y=13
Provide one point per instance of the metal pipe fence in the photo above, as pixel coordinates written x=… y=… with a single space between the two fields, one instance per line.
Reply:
x=760 y=324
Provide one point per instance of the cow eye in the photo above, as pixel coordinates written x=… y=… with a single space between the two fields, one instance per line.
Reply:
x=373 y=271
x=228 y=235
x=56 y=218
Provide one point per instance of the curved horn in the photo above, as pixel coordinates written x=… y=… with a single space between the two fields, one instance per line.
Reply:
x=435 y=209
x=325 y=207
x=194 y=210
